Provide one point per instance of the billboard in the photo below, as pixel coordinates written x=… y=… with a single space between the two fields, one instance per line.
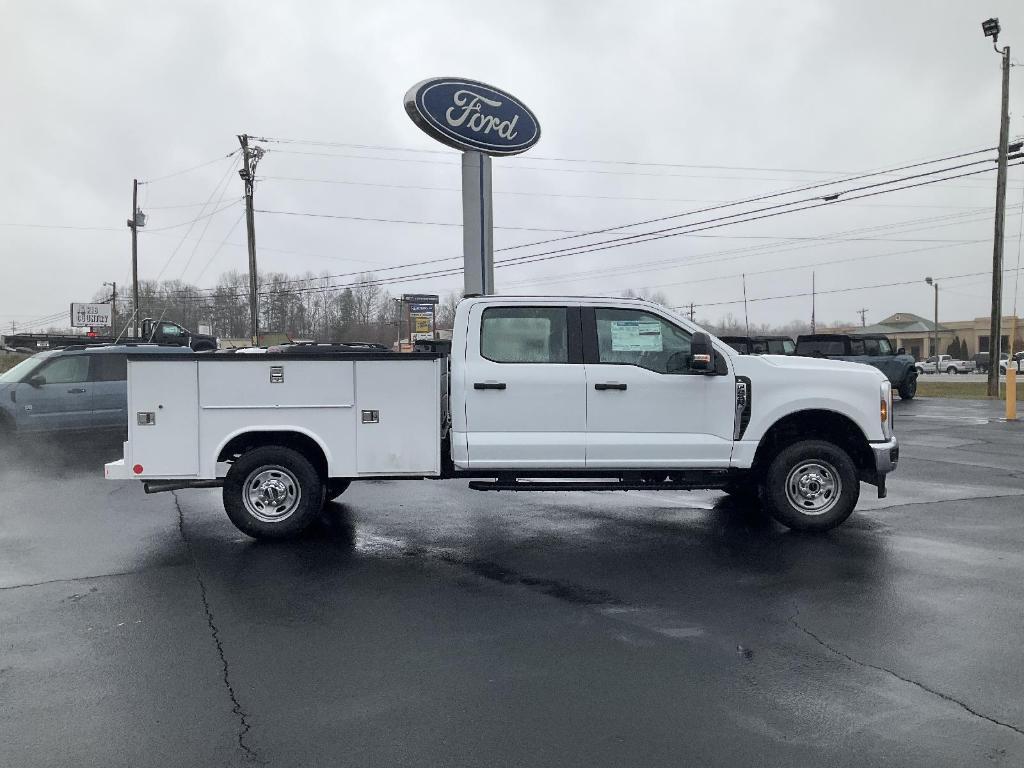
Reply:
x=88 y=315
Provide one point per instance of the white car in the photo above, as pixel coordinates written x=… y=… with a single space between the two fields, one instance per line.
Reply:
x=539 y=394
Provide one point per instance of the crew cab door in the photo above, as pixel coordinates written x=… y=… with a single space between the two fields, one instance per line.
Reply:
x=61 y=398
x=645 y=408
x=525 y=388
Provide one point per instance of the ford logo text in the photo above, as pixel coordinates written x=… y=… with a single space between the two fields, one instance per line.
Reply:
x=468 y=115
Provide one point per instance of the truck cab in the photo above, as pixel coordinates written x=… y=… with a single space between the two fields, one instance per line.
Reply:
x=538 y=394
x=166 y=332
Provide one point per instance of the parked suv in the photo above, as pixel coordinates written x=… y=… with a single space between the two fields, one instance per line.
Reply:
x=76 y=389
x=761 y=345
x=875 y=350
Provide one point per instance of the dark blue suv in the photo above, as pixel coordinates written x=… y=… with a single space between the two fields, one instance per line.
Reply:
x=78 y=389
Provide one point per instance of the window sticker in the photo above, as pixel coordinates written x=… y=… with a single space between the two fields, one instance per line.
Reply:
x=636 y=336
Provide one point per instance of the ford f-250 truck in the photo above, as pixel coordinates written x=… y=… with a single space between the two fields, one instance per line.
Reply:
x=538 y=394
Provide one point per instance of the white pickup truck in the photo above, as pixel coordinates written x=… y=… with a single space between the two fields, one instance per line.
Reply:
x=947 y=364
x=538 y=394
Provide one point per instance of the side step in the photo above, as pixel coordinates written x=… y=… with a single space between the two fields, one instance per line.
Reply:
x=589 y=485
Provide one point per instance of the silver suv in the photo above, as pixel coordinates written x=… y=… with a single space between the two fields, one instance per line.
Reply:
x=77 y=389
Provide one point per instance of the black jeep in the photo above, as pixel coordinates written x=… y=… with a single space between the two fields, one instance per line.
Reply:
x=871 y=349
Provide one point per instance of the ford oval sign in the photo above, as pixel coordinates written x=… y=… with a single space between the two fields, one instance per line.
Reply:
x=469 y=115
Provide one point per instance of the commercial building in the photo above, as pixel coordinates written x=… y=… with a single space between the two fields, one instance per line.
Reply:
x=916 y=334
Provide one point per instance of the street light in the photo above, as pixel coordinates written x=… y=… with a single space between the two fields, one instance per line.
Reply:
x=935 y=344
x=991 y=29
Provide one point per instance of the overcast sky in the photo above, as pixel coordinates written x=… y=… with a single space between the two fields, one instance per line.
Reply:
x=773 y=95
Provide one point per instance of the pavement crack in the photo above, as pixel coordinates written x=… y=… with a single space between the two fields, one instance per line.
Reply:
x=795 y=621
x=236 y=707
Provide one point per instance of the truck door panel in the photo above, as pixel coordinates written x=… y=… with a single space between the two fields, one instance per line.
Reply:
x=644 y=407
x=168 y=391
x=525 y=388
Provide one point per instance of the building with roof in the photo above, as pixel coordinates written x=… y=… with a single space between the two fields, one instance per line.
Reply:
x=916 y=334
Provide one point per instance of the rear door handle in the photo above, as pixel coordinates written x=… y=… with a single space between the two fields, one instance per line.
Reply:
x=609 y=385
x=76 y=391
x=489 y=385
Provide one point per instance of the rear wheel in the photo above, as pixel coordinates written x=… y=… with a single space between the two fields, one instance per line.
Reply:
x=811 y=486
x=272 y=493
x=952 y=370
x=909 y=387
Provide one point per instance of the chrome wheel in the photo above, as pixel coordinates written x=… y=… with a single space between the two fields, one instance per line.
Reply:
x=813 y=487
x=271 y=494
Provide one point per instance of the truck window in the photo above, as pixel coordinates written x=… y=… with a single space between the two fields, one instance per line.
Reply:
x=634 y=337
x=170 y=329
x=857 y=346
x=821 y=347
x=739 y=346
x=780 y=346
x=72 y=369
x=524 y=335
x=109 y=368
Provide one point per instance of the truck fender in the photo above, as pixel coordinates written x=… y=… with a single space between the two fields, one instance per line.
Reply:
x=262 y=429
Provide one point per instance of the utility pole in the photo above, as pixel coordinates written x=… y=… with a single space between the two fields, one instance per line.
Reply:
x=935 y=342
x=863 y=313
x=991 y=29
x=113 y=310
x=137 y=220
x=248 y=173
x=691 y=312
x=813 y=297
x=746 y=314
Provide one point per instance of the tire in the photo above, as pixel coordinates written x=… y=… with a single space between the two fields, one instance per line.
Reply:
x=273 y=493
x=798 y=481
x=908 y=388
x=952 y=370
x=336 y=487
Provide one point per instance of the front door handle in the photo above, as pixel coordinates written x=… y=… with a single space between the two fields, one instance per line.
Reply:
x=489 y=385
x=76 y=391
x=609 y=385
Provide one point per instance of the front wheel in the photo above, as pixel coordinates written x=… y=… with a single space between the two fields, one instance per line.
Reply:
x=908 y=388
x=272 y=493
x=811 y=486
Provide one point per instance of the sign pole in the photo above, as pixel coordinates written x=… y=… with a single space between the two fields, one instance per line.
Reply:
x=477 y=225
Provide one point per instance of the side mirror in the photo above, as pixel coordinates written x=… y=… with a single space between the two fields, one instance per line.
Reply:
x=36 y=381
x=702 y=355
x=901 y=351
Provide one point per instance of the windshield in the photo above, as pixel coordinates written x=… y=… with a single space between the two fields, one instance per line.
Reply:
x=22 y=369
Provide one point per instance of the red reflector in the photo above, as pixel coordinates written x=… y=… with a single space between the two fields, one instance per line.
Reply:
x=92 y=334
x=137 y=469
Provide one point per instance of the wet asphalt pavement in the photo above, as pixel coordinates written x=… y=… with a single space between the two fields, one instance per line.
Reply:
x=426 y=624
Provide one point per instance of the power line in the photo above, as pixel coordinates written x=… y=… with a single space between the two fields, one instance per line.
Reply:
x=849 y=289
x=661 y=234
x=190 y=169
x=761 y=250
x=399 y=221
x=198 y=217
x=533 y=157
x=759 y=198
x=538 y=193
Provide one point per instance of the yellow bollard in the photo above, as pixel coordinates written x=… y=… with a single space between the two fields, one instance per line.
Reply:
x=1011 y=391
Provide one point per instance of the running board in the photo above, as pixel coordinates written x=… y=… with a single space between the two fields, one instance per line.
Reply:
x=587 y=485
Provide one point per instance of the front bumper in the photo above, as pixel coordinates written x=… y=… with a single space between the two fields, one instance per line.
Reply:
x=887 y=455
